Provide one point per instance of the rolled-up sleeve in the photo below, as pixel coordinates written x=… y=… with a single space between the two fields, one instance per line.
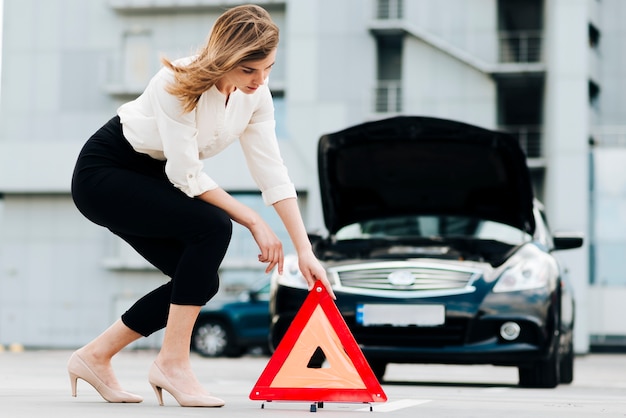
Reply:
x=260 y=148
x=178 y=134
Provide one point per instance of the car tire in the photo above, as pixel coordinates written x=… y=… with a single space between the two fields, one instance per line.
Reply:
x=213 y=338
x=541 y=374
x=566 y=370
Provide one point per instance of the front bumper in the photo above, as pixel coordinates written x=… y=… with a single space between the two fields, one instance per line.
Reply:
x=470 y=335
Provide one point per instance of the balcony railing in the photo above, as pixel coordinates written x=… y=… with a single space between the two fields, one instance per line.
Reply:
x=388 y=97
x=529 y=137
x=520 y=46
x=389 y=9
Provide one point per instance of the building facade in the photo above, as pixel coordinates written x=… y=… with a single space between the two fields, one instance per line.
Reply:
x=548 y=71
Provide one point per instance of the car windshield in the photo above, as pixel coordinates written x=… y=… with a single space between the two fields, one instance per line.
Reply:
x=433 y=227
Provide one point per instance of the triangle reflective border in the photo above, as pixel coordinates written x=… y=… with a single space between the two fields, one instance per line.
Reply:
x=318 y=327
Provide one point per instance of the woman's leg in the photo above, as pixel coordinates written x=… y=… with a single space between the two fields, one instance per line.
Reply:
x=192 y=263
x=98 y=353
x=173 y=358
x=176 y=304
x=186 y=239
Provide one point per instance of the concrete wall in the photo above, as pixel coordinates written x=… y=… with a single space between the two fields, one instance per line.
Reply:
x=566 y=127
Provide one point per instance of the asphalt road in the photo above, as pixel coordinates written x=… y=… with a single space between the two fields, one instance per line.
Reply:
x=36 y=384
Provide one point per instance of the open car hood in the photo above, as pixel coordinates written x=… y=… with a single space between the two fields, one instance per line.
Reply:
x=424 y=166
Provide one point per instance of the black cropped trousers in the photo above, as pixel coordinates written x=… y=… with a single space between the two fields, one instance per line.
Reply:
x=185 y=238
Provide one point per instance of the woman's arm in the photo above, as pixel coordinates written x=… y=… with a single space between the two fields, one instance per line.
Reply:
x=270 y=246
x=309 y=265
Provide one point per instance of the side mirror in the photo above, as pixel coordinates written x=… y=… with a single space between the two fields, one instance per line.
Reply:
x=567 y=241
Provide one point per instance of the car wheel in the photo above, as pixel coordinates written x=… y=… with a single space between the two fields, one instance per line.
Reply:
x=379 y=368
x=541 y=374
x=566 y=370
x=212 y=338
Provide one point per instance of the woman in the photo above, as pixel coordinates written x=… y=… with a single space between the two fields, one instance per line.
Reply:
x=141 y=177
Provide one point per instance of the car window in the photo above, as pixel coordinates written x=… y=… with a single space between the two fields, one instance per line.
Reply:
x=433 y=226
x=501 y=232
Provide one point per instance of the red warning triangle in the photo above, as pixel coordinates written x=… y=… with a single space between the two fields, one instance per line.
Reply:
x=318 y=325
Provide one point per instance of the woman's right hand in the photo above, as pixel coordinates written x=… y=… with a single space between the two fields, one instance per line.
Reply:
x=270 y=246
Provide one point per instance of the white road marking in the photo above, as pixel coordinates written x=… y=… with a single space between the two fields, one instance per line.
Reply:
x=395 y=405
x=496 y=390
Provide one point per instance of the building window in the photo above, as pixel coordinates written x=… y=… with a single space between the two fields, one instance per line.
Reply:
x=388 y=97
x=520 y=111
x=520 y=25
x=388 y=94
x=520 y=46
x=389 y=9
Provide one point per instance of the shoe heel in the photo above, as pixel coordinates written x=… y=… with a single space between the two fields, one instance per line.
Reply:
x=159 y=393
x=77 y=368
x=73 y=380
x=159 y=381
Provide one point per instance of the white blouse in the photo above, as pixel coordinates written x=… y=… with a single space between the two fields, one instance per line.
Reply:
x=155 y=124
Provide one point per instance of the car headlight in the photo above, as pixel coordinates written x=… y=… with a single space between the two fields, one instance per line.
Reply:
x=291 y=276
x=526 y=275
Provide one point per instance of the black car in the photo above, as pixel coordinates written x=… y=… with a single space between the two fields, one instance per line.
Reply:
x=232 y=327
x=438 y=251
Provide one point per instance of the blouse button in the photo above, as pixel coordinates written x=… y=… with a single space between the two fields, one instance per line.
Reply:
x=190 y=176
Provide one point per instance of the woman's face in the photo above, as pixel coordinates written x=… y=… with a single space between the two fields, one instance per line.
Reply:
x=247 y=76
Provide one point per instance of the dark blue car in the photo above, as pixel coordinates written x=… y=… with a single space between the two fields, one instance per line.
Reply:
x=233 y=327
x=438 y=251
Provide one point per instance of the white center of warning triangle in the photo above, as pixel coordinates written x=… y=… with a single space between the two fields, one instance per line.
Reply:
x=340 y=373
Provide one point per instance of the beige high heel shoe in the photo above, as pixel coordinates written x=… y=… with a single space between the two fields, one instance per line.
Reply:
x=77 y=368
x=159 y=382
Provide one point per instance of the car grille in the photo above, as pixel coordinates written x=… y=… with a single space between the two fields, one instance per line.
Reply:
x=417 y=276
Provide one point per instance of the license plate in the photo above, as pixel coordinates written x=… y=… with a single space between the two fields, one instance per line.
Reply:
x=400 y=315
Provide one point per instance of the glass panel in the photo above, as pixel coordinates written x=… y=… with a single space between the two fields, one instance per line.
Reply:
x=433 y=226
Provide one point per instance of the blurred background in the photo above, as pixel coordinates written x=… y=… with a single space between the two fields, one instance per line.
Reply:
x=550 y=72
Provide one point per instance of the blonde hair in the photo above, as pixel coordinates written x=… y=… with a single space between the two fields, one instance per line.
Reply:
x=243 y=33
